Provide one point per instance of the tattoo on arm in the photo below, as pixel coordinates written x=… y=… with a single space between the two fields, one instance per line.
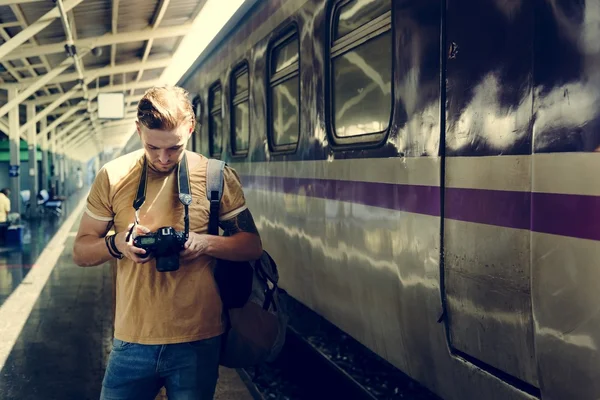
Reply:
x=243 y=222
x=108 y=228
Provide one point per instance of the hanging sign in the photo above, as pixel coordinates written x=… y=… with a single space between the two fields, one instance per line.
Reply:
x=13 y=171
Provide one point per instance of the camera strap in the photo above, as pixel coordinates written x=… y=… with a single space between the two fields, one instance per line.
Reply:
x=183 y=189
x=214 y=192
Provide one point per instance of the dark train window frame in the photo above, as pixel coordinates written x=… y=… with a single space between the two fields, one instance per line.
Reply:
x=285 y=35
x=216 y=86
x=335 y=48
x=198 y=107
x=238 y=70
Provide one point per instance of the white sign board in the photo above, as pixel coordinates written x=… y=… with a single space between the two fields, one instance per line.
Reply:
x=111 y=105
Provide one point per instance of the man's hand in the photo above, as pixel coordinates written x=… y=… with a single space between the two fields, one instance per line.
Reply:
x=135 y=254
x=195 y=246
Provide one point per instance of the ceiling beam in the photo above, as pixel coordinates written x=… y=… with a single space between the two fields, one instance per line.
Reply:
x=77 y=56
x=40 y=82
x=114 y=25
x=82 y=151
x=126 y=121
x=64 y=109
x=96 y=72
x=16 y=9
x=116 y=133
x=61 y=99
x=99 y=41
x=156 y=20
x=9 y=2
x=73 y=25
x=8 y=66
x=104 y=89
x=71 y=126
x=82 y=137
x=61 y=119
x=64 y=138
x=126 y=117
x=77 y=137
x=13 y=24
x=75 y=92
x=28 y=67
x=33 y=29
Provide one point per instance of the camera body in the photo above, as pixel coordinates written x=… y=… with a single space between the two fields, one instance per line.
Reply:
x=165 y=245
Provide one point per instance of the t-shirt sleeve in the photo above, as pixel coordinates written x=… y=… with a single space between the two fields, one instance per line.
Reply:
x=233 y=201
x=98 y=205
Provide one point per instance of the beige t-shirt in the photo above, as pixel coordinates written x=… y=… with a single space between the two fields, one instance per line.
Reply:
x=163 y=307
x=4 y=207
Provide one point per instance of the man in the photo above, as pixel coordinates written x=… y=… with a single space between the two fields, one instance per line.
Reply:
x=167 y=324
x=79 y=178
x=4 y=211
x=4 y=204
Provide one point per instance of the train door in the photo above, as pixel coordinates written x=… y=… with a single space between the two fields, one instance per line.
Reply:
x=486 y=236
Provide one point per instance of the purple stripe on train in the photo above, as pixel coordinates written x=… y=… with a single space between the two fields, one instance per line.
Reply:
x=559 y=214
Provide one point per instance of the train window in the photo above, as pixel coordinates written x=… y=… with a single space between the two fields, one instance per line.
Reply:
x=198 y=110
x=240 y=116
x=285 y=55
x=361 y=70
x=215 y=121
x=284 y=93
x=355 y=14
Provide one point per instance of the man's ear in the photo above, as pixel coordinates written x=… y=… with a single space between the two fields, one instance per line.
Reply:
x=137 y=127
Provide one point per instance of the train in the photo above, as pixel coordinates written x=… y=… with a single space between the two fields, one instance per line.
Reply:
x=423 y=172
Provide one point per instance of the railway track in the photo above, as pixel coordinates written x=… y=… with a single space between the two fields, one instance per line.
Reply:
x=321 y=362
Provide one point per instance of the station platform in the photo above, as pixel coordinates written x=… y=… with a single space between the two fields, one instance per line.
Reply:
x=56 y=318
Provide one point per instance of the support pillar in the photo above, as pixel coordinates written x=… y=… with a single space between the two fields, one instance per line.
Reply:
x=15 y=153
x=45 y=149
x=54 y=162
x=68 y=175
x=32 y=146
x=62 y=164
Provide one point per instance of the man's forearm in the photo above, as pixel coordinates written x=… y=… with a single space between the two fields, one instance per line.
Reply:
x=242 y=246
x=90 y=251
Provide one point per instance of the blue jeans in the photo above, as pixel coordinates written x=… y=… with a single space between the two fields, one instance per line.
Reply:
x=138 y=371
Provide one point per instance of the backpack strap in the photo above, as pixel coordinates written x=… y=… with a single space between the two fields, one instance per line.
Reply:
x=214 y=192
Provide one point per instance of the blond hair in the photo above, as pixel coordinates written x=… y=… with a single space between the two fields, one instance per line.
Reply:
x=165 y=108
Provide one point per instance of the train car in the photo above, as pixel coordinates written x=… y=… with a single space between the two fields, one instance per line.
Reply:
x=423 y=172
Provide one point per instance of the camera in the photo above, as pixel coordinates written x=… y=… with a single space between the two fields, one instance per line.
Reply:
x=165 y=245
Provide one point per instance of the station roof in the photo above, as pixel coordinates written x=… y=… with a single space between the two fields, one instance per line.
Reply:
x=122 y=46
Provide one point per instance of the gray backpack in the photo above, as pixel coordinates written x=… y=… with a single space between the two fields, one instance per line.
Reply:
x=257 y=320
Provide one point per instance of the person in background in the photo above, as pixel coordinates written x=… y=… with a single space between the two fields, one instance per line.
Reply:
x=4 y=210
x=53 y=195
x=79 y=179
